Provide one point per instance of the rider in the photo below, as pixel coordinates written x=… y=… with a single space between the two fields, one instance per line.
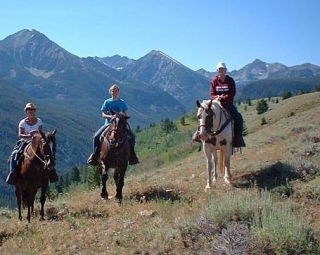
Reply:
x=27 y=128
x=113 y=104
x=223 y=89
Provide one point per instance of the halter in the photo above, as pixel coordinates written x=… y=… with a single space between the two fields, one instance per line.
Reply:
x=46 y=160
x=114 y=123
x=211 y=114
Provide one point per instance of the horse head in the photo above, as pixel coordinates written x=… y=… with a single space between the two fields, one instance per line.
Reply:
x=44 y=146
x=118 y=127
x=205 y=117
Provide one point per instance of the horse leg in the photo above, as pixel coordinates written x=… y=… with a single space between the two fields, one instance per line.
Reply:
x=31 y=195
x=43 y=200
x=215 y=165
x=104 y=192
x=118 y=177
x=18 y=196
x=210 y=168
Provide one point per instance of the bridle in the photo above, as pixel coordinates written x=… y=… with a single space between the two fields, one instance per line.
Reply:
x=115 y=130
x=46 y=149
x=207 y=122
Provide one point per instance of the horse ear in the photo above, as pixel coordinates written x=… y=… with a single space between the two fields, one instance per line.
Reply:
x=198 y=103
x=54 y=131
x=112 y=112
x=43 y=134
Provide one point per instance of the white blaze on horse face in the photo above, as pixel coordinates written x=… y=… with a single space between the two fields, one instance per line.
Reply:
x=202 y=125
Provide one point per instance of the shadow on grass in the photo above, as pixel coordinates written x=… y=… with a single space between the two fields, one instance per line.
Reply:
x=156 y=194
x=268 y=178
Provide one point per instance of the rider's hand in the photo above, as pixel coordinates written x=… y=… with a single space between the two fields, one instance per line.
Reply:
x=32 y=132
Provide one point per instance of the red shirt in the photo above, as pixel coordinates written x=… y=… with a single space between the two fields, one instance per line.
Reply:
x=226 y=88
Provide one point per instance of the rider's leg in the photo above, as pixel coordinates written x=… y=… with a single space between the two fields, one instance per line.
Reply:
x=132 y=140
x=93 y=158
x=12 y=176
x=238 y=127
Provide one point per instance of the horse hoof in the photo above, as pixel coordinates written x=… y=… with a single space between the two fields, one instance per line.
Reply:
x=207 y=188
x=104 y=195
x=227 y=180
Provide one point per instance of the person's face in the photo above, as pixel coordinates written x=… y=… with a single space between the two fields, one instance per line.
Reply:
x=30 y=111
x=221 y=71
x=114 y=92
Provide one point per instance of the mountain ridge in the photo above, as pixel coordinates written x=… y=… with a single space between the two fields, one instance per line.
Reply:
x=70 y=90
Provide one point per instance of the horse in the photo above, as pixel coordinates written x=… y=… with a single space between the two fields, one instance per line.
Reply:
x=115 y=153
x=216 y=133
x=36 y=164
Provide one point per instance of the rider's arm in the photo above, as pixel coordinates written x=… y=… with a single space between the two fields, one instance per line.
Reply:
x=23 y=135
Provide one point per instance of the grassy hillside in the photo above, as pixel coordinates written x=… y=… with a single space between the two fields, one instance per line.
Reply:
x=271 y=207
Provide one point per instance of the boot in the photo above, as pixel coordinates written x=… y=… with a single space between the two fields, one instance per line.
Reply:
x=196 y=137
x=11 y=179
x=133 y=158
x=238 y=141
x=93 y=158
x=53 y=176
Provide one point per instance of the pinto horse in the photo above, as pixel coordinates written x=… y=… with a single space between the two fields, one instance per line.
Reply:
x=216 y=132
x=115 y=153
x=37 y=162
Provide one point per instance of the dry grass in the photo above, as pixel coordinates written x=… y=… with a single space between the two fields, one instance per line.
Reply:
x=162 y=207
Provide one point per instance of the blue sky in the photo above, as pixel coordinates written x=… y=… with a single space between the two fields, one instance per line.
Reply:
x=197 y=33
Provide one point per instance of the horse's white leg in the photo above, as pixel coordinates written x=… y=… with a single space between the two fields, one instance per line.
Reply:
x=215 y=161
x=208 y=154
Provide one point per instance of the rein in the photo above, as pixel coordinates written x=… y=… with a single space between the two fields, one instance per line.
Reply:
x=222 y=127
x=46 y=163
x=118 y=139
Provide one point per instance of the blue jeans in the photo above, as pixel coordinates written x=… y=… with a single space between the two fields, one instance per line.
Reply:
x=96 y=138
x=237 y=117
x=14 y=154
x=13 y=158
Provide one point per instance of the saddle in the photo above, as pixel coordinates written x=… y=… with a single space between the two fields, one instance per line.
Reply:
x=117 y=142
x=20 y=147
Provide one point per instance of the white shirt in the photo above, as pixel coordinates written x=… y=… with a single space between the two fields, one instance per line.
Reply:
x=28 y=128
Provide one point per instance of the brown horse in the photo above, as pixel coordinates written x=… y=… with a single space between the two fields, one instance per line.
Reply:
x=37 y=162
x=115 y=153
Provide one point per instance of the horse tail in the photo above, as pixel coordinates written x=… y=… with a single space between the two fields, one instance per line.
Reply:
x=221 y=162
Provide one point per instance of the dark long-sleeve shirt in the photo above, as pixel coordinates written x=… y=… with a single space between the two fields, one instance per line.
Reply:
x=227 y=89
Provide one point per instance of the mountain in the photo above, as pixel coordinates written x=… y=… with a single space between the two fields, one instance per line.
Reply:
x=161 y=71
x=116 y=61
x=46 y=71
x=69 y=90
x=276 y=87
x=259 y=70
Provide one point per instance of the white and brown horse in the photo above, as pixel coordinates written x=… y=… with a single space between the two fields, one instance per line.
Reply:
x=215 y=132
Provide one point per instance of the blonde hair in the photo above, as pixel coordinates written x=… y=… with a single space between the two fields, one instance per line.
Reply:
x=114 y=86
x=30 y=106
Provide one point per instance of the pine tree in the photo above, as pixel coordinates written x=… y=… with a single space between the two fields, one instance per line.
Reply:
x=262 y=106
